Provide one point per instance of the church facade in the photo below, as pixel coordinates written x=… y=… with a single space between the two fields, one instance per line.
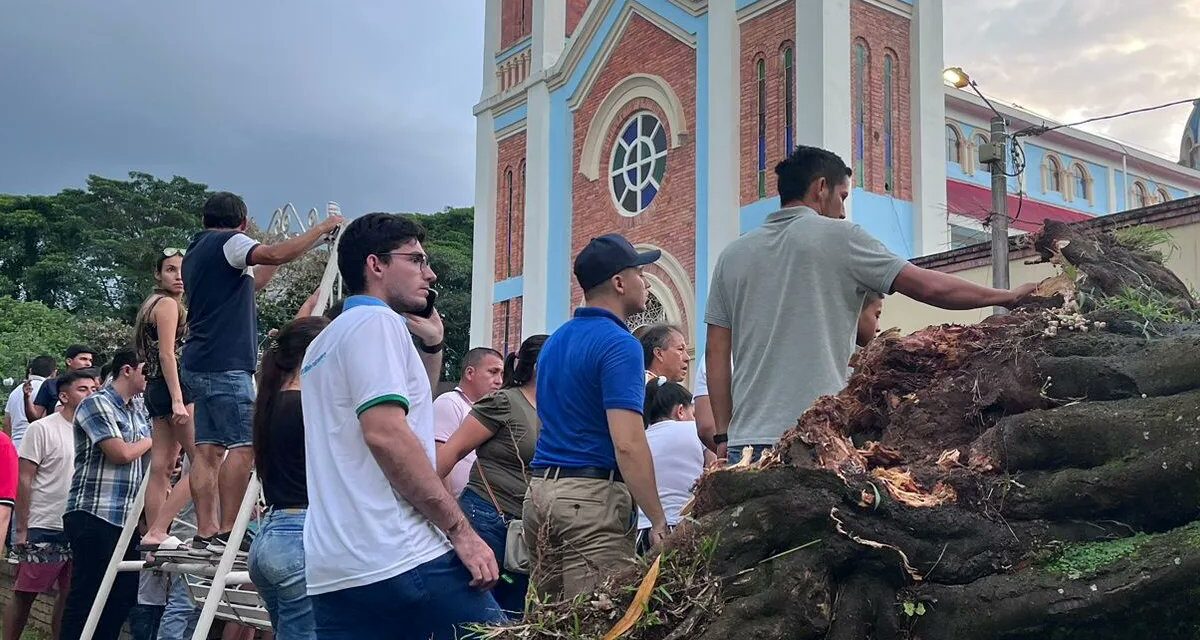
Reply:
x=663 y=120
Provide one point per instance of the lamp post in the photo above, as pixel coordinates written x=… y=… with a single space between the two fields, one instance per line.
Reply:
x=995 y=155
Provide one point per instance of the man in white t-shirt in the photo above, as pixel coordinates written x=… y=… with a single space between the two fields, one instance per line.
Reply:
x=388 y=552
x=17 y=409
x=482 y=373
x=46 y=462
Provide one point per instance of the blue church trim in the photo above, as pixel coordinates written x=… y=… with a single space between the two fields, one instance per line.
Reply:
x=888 y=219
x=508 y=289
x=511 y=117
x=562 y=128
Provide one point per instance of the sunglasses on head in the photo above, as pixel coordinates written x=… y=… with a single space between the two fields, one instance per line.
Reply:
x=171 y=252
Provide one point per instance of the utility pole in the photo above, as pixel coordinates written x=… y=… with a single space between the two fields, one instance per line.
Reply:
x=995 y=154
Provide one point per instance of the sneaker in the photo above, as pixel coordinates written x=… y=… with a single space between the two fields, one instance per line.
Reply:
x=217 y=543
x=199 y=546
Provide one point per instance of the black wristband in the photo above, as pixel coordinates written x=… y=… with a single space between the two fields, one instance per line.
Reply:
x=437 y=348
x=721 y=438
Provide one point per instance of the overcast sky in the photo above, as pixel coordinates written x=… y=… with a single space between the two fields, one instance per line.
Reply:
x=369 y=103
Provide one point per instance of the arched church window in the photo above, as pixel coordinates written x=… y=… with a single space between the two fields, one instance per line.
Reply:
x=861 y=62
x=1053 y=175
x=979 y=140
x=889 y=117
x=508 y=227
x=1163 y=195
x=953 y=145
x=655 y=313
x=1141 y=197
x=1081 y=182
x=639 y=162
x=789 y=102
x=762 y=127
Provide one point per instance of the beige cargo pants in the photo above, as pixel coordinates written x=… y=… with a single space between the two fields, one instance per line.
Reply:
x=577 y=529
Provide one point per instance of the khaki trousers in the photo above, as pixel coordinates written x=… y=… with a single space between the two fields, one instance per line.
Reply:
x=577 y=529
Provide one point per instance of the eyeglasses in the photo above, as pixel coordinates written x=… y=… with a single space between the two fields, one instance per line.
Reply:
x=171 y=252
x=416 y=257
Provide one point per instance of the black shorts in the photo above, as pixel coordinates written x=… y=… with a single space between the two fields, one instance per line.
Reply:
x=158 y=397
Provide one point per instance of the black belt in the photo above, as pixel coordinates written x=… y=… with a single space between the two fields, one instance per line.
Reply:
x=595 y=473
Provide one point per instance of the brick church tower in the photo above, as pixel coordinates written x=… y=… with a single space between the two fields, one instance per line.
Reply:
x=663 y=120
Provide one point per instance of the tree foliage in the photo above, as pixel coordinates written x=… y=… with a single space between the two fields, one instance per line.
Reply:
x=75 y=266
x=448 y=236
x=29 y=330
x=91 y=252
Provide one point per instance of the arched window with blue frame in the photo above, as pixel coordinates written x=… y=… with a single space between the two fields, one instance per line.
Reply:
x=789 y=101
x=862 y=60
x=761 y=75
x=889 y=119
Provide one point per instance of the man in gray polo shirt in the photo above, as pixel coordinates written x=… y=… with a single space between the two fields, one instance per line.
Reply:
x=785 y=300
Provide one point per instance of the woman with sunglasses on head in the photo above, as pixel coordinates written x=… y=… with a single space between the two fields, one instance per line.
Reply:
x=502 y=430
x=158 y=336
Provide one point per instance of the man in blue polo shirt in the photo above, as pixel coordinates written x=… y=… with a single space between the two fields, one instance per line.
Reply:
x=592 y=460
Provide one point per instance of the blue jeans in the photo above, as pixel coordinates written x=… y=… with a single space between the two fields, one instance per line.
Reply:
x=434 y=600
x=224 y=404
x=277 y=568
x=180 y=617
x=492 y=528
x=734 y=455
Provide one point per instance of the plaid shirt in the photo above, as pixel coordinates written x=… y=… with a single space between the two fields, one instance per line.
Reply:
x=99 y=486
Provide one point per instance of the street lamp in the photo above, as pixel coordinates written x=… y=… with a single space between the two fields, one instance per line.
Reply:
x=995 y=155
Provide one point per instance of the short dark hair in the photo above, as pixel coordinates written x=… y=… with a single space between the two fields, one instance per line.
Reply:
x=71 y=377
x=654 y=337
x=800 y=169
x=126 y=357
x=77 y=349
x=662 y=396
x=519 y=367
x=372 y=234
x=43 y=366
x=224 y=210
x=476 y=355
x=872 y=297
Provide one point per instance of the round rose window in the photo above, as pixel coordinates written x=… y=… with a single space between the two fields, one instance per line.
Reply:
x=639 y=162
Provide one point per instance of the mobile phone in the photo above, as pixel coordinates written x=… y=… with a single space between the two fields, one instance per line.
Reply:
x=429 y=302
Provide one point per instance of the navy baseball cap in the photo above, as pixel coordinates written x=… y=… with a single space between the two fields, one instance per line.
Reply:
x=606 y=256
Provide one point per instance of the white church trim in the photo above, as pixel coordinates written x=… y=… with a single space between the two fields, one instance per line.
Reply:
x=636 y=86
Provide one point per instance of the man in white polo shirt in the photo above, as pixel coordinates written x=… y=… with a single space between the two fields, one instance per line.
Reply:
x=388 y=552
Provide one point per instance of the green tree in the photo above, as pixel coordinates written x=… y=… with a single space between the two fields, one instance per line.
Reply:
x=91 y=252
x=29 y=330
x=448 y=242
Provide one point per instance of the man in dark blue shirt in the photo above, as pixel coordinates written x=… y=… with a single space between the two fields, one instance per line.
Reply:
x=592 y=459
x=222 y=269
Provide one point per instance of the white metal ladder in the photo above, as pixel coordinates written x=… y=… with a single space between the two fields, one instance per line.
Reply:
x=232 y=605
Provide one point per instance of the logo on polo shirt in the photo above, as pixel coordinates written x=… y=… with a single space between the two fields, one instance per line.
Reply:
x=309 y=367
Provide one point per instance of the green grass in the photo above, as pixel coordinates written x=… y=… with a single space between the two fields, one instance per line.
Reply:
x=1149 y=305
x=1145 y=239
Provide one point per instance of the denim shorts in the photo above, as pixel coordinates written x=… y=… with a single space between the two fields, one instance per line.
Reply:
x=224 y=406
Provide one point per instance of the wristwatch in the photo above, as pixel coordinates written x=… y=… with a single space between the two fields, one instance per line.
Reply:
x=436 y=348
x=720 y=438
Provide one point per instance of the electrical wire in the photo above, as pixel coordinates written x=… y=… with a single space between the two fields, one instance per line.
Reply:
x=1038 y=130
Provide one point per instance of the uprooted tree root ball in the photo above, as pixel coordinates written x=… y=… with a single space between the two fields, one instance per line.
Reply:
x=1034 y=476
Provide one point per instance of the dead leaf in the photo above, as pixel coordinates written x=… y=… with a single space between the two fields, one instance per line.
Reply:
x=638 y=606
